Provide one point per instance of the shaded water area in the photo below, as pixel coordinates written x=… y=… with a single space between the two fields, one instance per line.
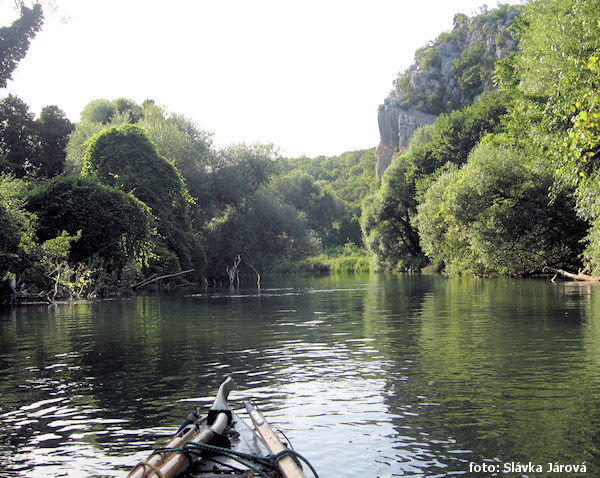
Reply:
x=368 y=375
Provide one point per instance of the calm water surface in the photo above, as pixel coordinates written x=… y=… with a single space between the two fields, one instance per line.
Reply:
x=368 y=375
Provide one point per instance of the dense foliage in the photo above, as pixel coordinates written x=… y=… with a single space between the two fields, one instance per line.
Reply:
x=124 y=158
x=29 y=147
x=493 y=216
x=494 y=193
x=264 y=231
x=559 y=87
x=185 y=200
x=388 y=218
x=340 y=184
x=350 y=174
x=14 y=40
x=77 y=204
x=505 y=185
x=15 y=225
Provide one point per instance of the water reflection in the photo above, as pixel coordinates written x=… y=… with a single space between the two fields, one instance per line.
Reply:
x=395 y=375
x=503 y=365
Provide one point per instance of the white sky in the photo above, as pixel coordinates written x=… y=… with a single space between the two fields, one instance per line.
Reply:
x=305 y=75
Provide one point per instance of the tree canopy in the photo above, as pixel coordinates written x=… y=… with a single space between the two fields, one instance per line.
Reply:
x=74 y=204
x=506 y=185
x=30 y=147
x=124 y=158
x=493 y=216
x=15 y=39
x=388 y=217
x=558 y=75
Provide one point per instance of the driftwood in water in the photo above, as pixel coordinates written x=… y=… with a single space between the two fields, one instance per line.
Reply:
x=570 y=275
x=234 y=272
x=256 y=272
x=154 y=278
x=25 y=299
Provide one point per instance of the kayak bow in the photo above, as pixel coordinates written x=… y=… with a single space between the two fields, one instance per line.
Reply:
x=221 y=443
x=170 y=464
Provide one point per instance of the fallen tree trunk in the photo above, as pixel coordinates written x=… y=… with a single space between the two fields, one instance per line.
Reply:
x=154 y=279
x=570 y=275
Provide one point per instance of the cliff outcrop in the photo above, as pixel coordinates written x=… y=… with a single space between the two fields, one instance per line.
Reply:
x=449 y=73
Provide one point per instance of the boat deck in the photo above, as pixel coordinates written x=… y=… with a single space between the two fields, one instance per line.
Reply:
x=243 y=439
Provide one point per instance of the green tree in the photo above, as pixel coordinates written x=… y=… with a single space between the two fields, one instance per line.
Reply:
x=105 y=111
x=344 y=180
x=493 y=216
x=257 y=214
x=388 y=217
x=32 y=265
x=15 y=225
x=54 y=130
x=78 y=144
x=351 y=174
x=28 y=147
x=19 y=138
x=264 y=231
x=473 y=70
x=53 y=266
x=124 y=158
x=97 y=116
x=176 y=137
x=241 y=171
x=559 y=110
x=387 y=220
x=14 y=40
x=315 y=200
x=113 y=225
x=223 y=184
x=452 y=137
x=185 y=144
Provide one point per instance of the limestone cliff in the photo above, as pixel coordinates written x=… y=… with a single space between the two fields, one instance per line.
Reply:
x=449 y=73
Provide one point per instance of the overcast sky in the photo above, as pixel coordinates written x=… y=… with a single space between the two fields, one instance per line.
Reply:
x=305 y=75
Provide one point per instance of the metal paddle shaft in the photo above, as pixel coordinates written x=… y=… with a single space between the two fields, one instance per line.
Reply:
x=167 y=465
x=288 y=467
x=180 y=461
x=148 y=468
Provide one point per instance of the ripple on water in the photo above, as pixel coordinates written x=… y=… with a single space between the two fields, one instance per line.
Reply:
x=402 y=376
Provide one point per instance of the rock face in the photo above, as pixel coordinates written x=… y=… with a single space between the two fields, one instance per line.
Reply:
x=396 y=127
x=448 y=74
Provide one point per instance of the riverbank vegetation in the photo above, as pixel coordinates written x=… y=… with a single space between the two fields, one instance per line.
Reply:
x=510 y=184
x=134 y=192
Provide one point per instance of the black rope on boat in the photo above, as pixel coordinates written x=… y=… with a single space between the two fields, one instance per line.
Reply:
x=296 y=456
x=271 y=461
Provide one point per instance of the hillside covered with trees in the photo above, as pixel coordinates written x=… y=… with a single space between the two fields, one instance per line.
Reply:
x=132 y=193
x=503 y=182
x=507 y=185
x=142 y=193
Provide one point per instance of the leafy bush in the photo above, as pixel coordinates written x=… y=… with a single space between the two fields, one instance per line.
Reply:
x=16 y=226
x=473 y=69
x=124 y=158
x=264 y=232
x=112 y=224
x=493 y=216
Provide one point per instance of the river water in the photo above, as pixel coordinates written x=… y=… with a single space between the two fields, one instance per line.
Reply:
x=368 y=375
